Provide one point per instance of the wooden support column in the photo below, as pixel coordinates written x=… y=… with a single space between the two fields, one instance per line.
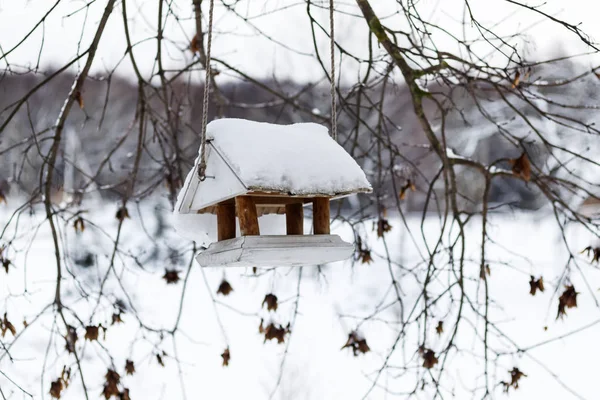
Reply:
x=226 y=221
x=294 y=219
x=321 y=216
x=246 y=212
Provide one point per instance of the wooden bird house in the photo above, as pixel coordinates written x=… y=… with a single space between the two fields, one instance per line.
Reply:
x=257 y=168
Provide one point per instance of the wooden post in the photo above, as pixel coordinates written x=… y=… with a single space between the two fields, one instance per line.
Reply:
x=294 y=219
x=246 y=212
x=226 y=221
x=321 y=215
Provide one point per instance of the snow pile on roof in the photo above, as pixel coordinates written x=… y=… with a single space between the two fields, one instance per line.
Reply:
x=301 y=159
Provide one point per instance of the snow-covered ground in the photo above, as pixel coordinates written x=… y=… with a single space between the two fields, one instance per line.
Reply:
x=315 y=367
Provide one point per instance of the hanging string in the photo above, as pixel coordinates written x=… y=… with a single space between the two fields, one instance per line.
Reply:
x=333 y=98
x=202 y=165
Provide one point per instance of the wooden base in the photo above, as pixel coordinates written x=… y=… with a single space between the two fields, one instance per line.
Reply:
x=276 y=251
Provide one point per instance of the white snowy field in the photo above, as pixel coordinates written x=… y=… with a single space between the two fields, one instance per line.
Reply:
x=330 y=302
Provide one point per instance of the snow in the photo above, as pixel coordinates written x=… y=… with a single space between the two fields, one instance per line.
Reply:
x=331 y=304
x=301 y=159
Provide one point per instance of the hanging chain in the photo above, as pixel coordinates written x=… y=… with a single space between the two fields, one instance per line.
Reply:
x=333 y=98
x=202 y=165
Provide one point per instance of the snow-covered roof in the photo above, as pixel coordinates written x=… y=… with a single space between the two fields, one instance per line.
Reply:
x=247 y=156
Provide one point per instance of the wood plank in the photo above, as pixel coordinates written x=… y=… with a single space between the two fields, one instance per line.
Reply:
x=246 y=212
x=225 y=221
x=276 y=251
x=294 y=219
x=321 y=216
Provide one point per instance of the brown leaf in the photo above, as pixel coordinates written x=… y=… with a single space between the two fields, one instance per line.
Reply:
x=171 y=276
x=515 y=376
x=273 y=331
x=5 y=264
x=79 y=225
x=2 y=197
x=129 y=367
x=116 y=318
x=112 y=377
x=7 y=326
x=595 y=253
x=357 y=343
x=79 y=99
x=383 y=226
x=122 y=213
x=110 y=390
x=535 y=285
x=568 y=299
x=362 y=252
x=483 y=271
x=92 y=332
x=224 y=288
x=409 y=185
x=429 y=359
x=159 y=358
x=71 y=339
x=194 y=45
x=226 y=357
x=56 y=388
x=124 y=395
x=516 y=80
x=439 y=329
x=521 y=167
x=271 y=301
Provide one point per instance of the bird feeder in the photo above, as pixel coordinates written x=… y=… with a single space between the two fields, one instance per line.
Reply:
x=254 y=169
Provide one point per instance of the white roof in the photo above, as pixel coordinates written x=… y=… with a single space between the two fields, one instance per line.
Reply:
x=244 y=156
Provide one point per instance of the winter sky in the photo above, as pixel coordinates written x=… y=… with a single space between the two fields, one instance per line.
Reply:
x=244 y=47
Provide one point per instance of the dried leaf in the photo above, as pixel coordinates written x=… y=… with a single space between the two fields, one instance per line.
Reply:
x=92 y=332
x=129 y=367
x=271 y=301
x=429 y=359
x=535 y=285
x=516 y=80
x=159 y=358
x=383 y=226
x=273 y=331
x=65 y=376
x=595 y=253
x=409 y=185
x=79 y=99
x=194 y=45
x=224 y=288
x=56 y=388
x=124 y=395
x=6 y=325
x=171 y=276
x=515 y=376
x=357 y=343
x=439 y=329
x=521 y=167
x=2 y=197
x=226 y=357
x=484 y=271
x=5 y=264
x=116 y=318
x=79 y=225
x=122 y=213
x=71 y=339
x=568 y=299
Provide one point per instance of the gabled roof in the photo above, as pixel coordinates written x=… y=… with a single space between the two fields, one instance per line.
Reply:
x=295 y=160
